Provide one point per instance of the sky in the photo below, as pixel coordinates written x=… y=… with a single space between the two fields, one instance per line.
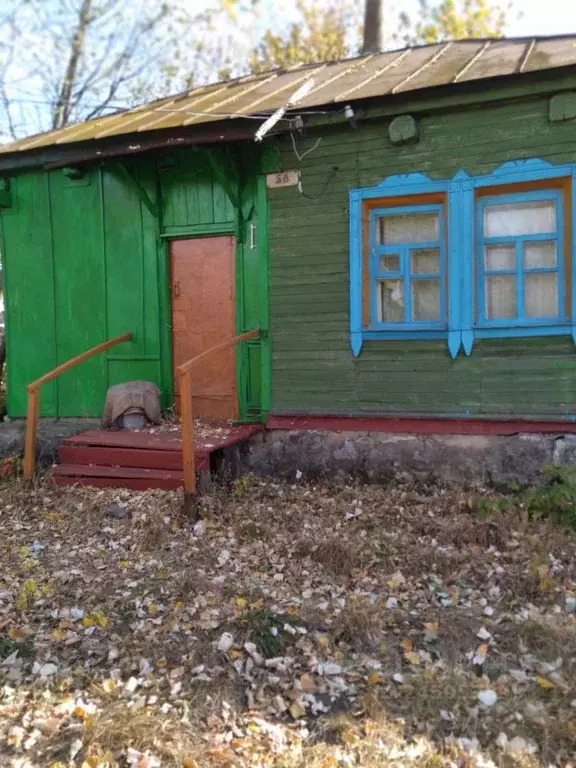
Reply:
x=526 y=18
x=537 y=17
x=549 y=17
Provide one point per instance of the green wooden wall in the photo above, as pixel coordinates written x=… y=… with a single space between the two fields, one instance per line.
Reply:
x=313 y=368
x=85 y=260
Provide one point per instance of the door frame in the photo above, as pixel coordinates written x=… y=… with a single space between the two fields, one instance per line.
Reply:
x=165 y=286
x=166 y=365
x=165 y=294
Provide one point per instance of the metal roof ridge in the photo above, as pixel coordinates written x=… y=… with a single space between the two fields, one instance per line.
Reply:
x=401 y=56
x=424 y=66
x=526 y=54
x=472 y=61
x=249 y=107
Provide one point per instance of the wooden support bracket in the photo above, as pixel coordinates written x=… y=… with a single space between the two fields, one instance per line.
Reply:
x=139 y=189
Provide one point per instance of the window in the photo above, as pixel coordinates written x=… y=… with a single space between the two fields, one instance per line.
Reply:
x=407 y=248
x=520 y=262
x=466 y=258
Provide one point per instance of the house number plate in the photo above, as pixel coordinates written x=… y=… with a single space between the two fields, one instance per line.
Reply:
x=284 y=179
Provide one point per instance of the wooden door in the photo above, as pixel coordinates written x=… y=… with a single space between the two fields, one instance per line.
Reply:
x=203 y=315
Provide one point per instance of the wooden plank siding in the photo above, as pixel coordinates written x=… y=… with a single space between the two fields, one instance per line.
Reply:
x=313 y=369
x=82 y=260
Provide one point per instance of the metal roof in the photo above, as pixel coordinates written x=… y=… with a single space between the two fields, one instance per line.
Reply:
x=256 y=96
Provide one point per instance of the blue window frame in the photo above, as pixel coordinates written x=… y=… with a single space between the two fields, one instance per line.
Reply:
x=504 y=269
x=408 y=268
x=520 y=260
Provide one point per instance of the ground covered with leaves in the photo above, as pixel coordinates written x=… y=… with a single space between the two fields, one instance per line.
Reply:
x=293 y=625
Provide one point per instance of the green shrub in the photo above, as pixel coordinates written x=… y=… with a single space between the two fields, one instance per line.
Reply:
x=554 y=499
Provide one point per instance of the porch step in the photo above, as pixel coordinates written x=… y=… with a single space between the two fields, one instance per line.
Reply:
x=140 y=460
x=128 y=457
x=124 y=477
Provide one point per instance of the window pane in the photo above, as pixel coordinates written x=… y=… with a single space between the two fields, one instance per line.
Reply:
x=520 y=218
x=390 y=263
x=426 y=260
x=391 y=301
x=500 y=257
x=409 y=228
x=500 y=296
x=425 y=300
x=541 y=254
x=541 y=295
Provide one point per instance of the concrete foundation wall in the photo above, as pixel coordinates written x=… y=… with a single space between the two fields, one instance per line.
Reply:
x=51 y=432
x=377 y=456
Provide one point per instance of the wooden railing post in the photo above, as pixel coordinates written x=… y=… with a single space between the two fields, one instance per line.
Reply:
x=188 y=437
x=31 y=432
x=184 y=373
x=34 y=399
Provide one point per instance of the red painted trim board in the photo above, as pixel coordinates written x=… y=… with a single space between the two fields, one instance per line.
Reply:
x=423 y=426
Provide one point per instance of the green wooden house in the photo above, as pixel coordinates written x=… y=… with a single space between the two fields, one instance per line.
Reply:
x=402 y=235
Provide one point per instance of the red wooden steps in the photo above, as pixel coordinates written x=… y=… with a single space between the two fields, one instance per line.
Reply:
x=138 y=460
x=124 y=477
x=128 y=457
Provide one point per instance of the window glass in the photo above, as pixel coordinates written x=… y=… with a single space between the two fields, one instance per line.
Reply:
x=501 y=297
x=409 y=228
x=521 y=273
x=539 y=254
x=541 y=294
x=391 y=301
x=426 y=300
x=426 y=261
x=513 y=219
x=390 y=263
x=409 y=284
x=500 y=257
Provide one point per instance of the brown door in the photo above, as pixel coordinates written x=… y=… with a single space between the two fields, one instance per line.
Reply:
x=203 y=315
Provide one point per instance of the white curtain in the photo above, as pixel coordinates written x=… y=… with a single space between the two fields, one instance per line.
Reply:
x=520 y=218
x=541 y=294
x=425 y=300
x=501 y=297
x=409 y=228
x=540 y=289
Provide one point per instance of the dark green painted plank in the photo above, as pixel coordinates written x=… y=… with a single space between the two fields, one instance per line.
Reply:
x=29 y=292
x=151 y=253
x=313 y=366
x=79 y=272
x=124 y=272
x=120 y=371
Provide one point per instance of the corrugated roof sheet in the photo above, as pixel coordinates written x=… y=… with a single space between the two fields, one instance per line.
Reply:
x=371 y=76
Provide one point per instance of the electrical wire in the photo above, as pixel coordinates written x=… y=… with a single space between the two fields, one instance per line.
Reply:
x=331 y=175
x=298 y=155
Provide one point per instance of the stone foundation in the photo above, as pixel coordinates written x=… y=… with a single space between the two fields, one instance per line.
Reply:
x=51 y=432
x=370 y=456
x=378 y=456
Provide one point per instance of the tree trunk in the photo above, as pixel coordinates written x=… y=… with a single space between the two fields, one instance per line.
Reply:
x=64 y=105
x=372 y=42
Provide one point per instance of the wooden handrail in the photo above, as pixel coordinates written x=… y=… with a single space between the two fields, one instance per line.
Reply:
x=34 y=398
x=187 y=409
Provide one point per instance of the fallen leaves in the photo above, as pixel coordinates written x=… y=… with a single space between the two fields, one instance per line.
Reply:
x=488 y=697
x=230 y=642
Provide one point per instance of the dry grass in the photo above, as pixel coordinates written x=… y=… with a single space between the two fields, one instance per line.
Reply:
x=172 y=739
x=272 y=555
x=250 y=530
x=335 y=555
x=360 y=624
